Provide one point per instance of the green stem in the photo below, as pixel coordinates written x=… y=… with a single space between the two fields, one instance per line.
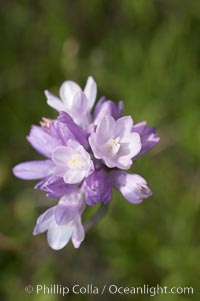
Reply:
x=96 y=217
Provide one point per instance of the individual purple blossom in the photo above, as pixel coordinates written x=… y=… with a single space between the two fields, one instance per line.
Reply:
x=74 y=101
x=114 y=142
x=72 y=162
x=132 y=186
x=63 y=222
x=148 y=136
x=45 y=140
x=98 y=188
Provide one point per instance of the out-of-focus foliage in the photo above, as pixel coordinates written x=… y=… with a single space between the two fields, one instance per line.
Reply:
x=148 y=54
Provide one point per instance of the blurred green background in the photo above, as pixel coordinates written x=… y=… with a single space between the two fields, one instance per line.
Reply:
x=148 y=54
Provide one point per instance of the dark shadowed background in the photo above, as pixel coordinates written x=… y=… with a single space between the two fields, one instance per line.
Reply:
x=148 y=54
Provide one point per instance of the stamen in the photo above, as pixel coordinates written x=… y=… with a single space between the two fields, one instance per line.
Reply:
x=45 y=122
x=76 y=162
x=113 y=145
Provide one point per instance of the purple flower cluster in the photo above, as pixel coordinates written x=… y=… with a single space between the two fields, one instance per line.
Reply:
x=86 y=155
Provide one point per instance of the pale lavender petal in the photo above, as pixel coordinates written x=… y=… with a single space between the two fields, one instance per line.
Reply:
x=105 y=129
x=61 y=155
x=33 y=169
x=58 y=236
x=80 y=105
x=132 y=147
x=44 y=221
x=67 y=92
x=123 y=127
x=54 y=101
x=123 y=162
x=64 y=213
x=74 y=198
x=78 y=234
x=91 y=91
x=42 y=140
x=58 y=170
x=79 y=111
x=74 y=177
x=98 y=106
x=98 y=152
x=148 y=135
x=74 y=145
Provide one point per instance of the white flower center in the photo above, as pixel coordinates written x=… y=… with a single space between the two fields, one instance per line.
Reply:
x=113 y=145
x=76 y=162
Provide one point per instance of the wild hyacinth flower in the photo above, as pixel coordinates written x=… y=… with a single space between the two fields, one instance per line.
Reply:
x=132 y=186
x=114 y=142
x=74 y=101
x=63 y=222
x=46 y=140
x=85 y=158
x=72 y=162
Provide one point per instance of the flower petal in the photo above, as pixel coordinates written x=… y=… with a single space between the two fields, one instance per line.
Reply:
x=149 y=137
x=130 y=148
x=54 y=101
x=91 y=91
x=61 y=155
x=80 y=105
x=67 y=92
x=44 y=221
x=58 y=170
x=33 y=169
x=73 y=177
x=64 y=213
x=124 y=126
x=42 y=140
x=105 y=129
x=78 y=234
x=58 y=236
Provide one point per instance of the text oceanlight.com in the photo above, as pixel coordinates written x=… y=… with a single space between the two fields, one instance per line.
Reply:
x=113 y=289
